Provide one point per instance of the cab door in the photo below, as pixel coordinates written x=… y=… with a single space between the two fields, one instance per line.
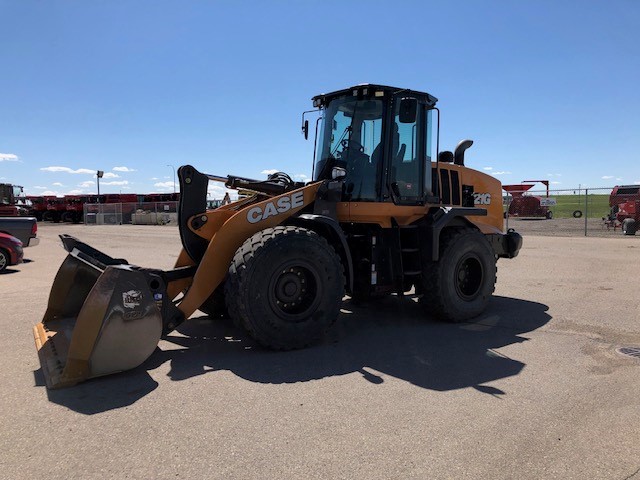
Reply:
x=408 y=159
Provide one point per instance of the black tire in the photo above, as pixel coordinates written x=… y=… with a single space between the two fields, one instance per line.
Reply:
x=285 y=287
x=459 y=286
x=577 y=213
x=215 y=306
x=5 y=259
x=549 y=215
x=629 y=226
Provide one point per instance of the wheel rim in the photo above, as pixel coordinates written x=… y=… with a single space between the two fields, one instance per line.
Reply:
x=295 y=291
x=3 y=261
x=469 y=276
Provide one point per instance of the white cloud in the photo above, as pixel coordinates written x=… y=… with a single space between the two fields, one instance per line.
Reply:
x=554 y=174
x=75 y=192
x=619 y=179
x=269 y=172
x=607 y=177
x=123 y=169
x=57 y=184
x=500 y=173
x=301 y=176
x=637 y=182
x=155 y=178
x=120 y=182
x=68 y=170
x=218 y=191
x=488 y=168
x=8 y=157
x=50 y=192
x=555 y=183
x=164 y=185
x=87 y=184
x=110 y=175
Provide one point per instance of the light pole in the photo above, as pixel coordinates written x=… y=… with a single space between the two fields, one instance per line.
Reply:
x=174 y=177
x=99 y=175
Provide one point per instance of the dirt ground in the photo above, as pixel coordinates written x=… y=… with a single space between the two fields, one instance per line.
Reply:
x=534 y=388
x=564 y=227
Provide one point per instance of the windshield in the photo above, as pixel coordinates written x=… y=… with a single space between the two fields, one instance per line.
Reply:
x=351 y=131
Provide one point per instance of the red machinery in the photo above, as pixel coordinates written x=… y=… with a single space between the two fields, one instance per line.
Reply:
x=625 y=208
x=56 y=206
x=523 y=205
x=12 y=201
x=38 y=205
x=74 y=207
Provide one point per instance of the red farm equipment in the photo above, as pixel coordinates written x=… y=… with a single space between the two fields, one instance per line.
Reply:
x=74 y=207
x=13 y=203
x=56 y=206
x=529 y=206
x=625 y=208
x=38 y=205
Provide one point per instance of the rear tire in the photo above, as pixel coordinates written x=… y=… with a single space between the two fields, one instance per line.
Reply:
x=285 y=287
x=5 y=260
x=629 y=226
x=459 y=285
x=549 y=215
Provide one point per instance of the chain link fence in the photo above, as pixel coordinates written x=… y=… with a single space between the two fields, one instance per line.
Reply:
x=597 y=212
x=148 y=213
x=601 y=212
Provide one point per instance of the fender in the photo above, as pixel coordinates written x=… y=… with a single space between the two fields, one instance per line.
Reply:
x=330 y=229
x=448 y=216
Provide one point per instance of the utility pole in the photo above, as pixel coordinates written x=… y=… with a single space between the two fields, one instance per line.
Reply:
x=99 y=175
x=174 y=177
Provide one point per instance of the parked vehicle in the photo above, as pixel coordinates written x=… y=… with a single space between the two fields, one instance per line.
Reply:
x=624 y=201
x=74 y=207
x=380 y=217
x=10 y=251
x=56 y=206
x=13 y=203
x=530 y=206
x=38 y=205
x=24 y=229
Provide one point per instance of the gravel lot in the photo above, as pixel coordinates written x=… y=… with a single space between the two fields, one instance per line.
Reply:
x=534 y=388
x=564 y=227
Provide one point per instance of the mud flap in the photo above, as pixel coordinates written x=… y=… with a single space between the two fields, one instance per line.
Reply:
x=101 y=318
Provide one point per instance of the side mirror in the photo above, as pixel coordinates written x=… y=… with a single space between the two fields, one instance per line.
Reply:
x=408 y=110
x=305 y=129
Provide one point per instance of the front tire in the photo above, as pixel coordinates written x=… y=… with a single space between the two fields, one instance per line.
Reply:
x=459 y=285
x=4 y=260
x=285 y=287
x=215 y=306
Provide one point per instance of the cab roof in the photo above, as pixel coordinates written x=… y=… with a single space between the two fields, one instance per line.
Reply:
x=367 y=90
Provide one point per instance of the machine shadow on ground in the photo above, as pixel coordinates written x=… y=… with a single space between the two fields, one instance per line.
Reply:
x=391 y=337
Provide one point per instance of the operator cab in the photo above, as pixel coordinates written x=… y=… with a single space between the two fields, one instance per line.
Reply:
x=378 y=138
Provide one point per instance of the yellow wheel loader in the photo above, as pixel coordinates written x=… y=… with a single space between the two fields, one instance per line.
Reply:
x=385 y=213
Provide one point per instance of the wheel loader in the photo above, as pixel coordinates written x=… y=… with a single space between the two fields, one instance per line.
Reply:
x=385 y=213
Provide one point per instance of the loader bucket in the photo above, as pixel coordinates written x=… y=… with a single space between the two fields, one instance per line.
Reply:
x=104 y=316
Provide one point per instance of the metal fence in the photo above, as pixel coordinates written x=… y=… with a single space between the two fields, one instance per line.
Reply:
x=152 y=213
x=572 y=212
x=569 y=212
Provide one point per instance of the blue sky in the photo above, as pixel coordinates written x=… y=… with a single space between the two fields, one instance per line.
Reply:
x=546 y=89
